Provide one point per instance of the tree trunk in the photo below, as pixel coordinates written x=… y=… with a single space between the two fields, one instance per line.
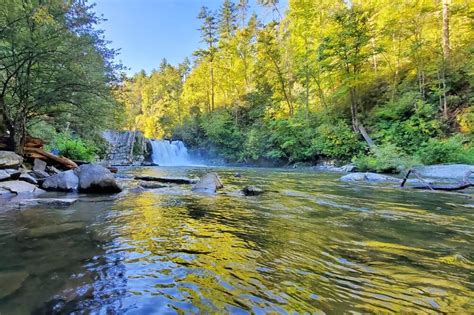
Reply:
x=212 y=87
x=356 y=125
x=18 y=136
x=446 y=52
x=445 y=36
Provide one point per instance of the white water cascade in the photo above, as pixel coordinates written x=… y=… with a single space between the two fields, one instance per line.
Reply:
x=170 y=153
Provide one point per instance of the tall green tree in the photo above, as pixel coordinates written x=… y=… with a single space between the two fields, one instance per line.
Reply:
x=52 y=61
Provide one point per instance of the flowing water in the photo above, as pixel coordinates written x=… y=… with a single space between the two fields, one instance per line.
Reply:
x=311 y=244
x=170 y=153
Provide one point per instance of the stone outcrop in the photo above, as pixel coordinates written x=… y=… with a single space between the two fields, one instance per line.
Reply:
x=9 y=174
x=9 y=159
x=125 y=147
x=449 y=172
x=94 y=178
x=209 y=183
x=19 y=188
x=65 y=181
x=369 y=177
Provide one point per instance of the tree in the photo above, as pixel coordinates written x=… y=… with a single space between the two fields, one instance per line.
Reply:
x=52 y=61
x=209 y=36
x=346 y=50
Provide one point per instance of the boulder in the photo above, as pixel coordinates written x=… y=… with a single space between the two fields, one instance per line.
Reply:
x=11 y=281
x=65 y=181
x=10 y=159
x=348 y=168
x=369 y=177
x=4 y=175
x=252 y=191
x=151 y=185
x=171 y=180
x=210 y=183
x=95 y=178
x=39 y=165
x=28 y=178
x=14 y=174
x=450 y=172
x=39 y=174
x=20 y=187
x=51 y=170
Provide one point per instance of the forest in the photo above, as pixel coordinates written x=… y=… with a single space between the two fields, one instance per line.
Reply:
x=382 y=84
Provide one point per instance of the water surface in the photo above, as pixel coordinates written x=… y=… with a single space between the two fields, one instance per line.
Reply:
x=310 y=244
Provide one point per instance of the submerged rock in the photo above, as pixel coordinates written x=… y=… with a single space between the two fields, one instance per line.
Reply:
x=52 y=230
x=210 y=183
x=151 y=185
x=11 y=281
x=10 y=159
x=95 y=178
x=65 y=181
x=53 y=202
x=20 y=188
x=171 y=180
x=252 y=191
x=369 y=177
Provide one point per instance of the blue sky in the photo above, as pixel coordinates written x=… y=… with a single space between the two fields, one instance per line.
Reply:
x=148 y=30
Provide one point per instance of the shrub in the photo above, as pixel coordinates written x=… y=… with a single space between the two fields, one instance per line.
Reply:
x=456 y=149
x=223 y=133
x=72 y=147
x=407 y=122
x=289 y=139
x=384 y=159
x=336 y=140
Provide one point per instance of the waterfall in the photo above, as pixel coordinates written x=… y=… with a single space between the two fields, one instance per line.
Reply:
x=170 y=153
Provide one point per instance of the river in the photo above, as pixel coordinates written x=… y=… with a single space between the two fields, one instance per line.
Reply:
x=309 y=244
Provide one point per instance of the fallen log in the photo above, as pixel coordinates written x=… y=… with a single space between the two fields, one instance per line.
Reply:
x=37 y=153
x=32 y=142
x=454 y=187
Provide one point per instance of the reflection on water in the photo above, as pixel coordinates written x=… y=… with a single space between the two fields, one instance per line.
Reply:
x=309 y=244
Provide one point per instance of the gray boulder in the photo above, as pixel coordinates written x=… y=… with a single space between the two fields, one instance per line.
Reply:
x=20 y=188
x=4 y=175
x=10 y=159
x=209 y=184
x=450 y=171
x=252 y=191
x=28 y=178
x=369 y=177
x=95 y=178
x=65 y=181
x=39 y=165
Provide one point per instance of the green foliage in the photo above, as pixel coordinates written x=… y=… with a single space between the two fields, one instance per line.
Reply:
x=223 y=134
x=384 y=159
x=73 y=147
x=451 y=150
x=288 y=139
x=406 y=122
x=336 y=140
